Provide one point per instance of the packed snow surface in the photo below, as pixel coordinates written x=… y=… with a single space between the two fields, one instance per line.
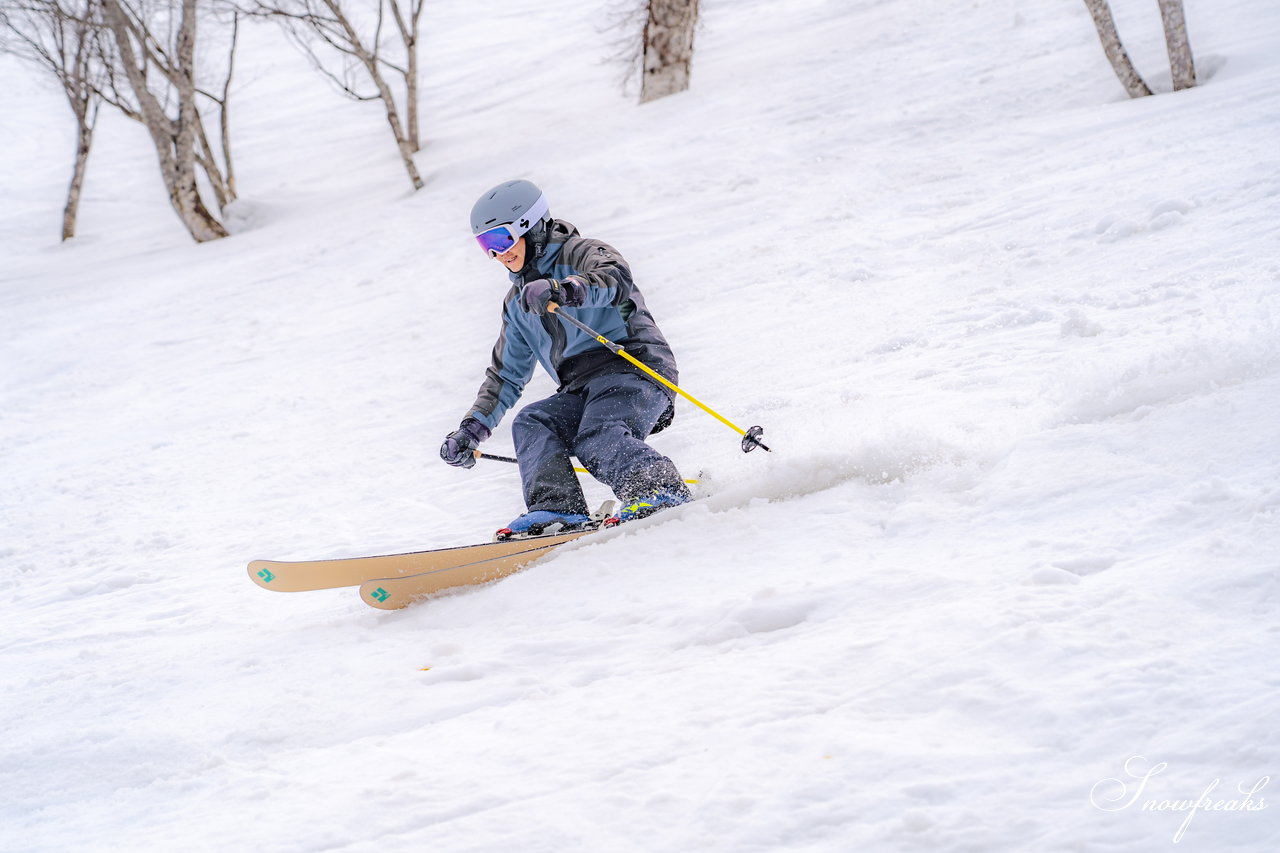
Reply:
x=1008 y=581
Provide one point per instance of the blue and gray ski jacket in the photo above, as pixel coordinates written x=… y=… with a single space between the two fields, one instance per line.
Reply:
x=613 y=307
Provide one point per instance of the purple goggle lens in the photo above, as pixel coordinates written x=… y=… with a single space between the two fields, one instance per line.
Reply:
x=497 y=241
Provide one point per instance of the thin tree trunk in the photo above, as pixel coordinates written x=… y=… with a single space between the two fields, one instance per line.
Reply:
x=1175 y=37
x=1116 y=54
x=84 y=142
x=185 y=192
x=232 y=195
x=224 y=117
x=84 y=102
x=222 y=183
x=408 y=30
x=62 y=38
x=411 y=88
x=668 y=48
x=209 y=163
x=406 y=138
x=313 y=23
x=402 y=141
x=388 y=99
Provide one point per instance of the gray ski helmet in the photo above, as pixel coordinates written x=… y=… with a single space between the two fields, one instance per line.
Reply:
x=518 y=205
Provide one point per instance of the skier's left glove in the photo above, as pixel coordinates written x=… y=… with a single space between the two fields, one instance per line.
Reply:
x=536 y=295
x=459 y=448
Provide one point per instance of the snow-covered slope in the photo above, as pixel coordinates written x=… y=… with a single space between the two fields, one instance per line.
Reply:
x=1013 y=339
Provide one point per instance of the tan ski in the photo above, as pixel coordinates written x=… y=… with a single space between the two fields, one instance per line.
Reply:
x=394 y=593
x=299 y=576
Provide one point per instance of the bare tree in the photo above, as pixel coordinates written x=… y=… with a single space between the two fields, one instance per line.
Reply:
x=1175 y=38
x=668 y=48
x=1175 y=35
x=1133 y=83
x=62 y=37
x=355 y=53
x=170 y=111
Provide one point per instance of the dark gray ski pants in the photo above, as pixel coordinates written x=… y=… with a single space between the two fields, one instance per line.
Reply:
x=604 y=424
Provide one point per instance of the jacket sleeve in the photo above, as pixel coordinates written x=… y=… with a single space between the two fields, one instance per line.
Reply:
x=504 y=380
x=604 y=272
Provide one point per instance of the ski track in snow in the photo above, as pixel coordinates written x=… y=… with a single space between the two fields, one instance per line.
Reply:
x=1013 y=339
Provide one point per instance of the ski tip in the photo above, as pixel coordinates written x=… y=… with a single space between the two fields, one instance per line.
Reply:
x=261 y=573
x=376 y=595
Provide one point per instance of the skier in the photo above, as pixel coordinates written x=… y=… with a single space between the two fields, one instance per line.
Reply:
x=604 y=408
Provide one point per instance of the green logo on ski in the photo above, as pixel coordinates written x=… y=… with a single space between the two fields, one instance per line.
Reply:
x=380 y=594
x=266 y=575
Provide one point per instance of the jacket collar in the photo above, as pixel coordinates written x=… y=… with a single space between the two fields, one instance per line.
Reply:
x=541 y=263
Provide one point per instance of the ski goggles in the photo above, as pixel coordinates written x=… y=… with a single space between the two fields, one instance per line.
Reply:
x=500 y=239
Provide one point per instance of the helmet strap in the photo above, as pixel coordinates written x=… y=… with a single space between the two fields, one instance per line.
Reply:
x=539 y=235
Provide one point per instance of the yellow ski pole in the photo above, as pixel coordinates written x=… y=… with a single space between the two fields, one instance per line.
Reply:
x=750 y=437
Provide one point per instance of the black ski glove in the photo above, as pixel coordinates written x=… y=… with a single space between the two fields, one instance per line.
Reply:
x=537 y=294
x=459 y=448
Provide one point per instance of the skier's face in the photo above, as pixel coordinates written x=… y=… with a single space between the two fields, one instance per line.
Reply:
x=513 y=259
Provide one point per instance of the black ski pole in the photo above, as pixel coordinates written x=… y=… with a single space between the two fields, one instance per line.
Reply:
x=480 y=454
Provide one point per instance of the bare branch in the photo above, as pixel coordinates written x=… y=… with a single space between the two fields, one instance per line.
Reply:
x=325 y=30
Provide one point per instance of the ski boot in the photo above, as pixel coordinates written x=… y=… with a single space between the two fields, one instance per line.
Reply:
x=647 y=506
x=546 y=523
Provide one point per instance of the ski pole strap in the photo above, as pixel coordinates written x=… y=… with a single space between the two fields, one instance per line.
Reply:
x=750 y=438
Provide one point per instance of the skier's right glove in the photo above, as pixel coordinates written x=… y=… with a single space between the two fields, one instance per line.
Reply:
x=459 y=448
x=537 y=294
